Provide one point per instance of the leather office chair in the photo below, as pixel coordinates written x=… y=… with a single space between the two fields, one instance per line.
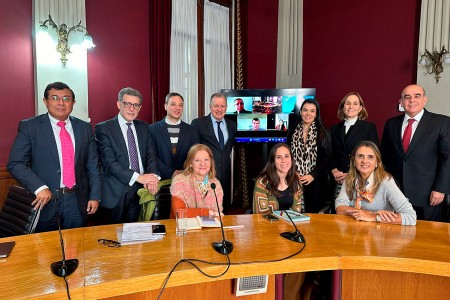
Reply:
x=163 y=205
x=156 y=207
x=18 y=216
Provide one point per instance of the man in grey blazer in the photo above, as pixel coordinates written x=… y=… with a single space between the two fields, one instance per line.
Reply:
x=127 y=160
x=172 y=138
x=421 y=163
x=220 y=141
x=63 y=174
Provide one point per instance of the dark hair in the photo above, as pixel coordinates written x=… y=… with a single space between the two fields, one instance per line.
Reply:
x=130 y=92
x=169 y=95
x=255 y=119
x=58 y=86
x=238 y=99
x=271 y=178
x=322 y=133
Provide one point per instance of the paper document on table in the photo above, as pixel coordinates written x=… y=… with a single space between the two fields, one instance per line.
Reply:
x=132 y=233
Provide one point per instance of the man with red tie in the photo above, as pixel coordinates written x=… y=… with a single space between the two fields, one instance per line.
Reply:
x=55 y=157
x=416 y=150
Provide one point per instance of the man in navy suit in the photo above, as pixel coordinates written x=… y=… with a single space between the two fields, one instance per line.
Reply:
x=38 y=162
x=172 y=138
x=220 y=141
x=423 y=168
x=127 y=160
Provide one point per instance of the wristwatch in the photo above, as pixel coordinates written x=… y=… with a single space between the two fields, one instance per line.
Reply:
x=378 y=218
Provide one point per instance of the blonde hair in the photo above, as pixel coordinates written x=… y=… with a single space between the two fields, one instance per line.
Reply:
x=363 y=114
x=379 y=174
x=190 y=157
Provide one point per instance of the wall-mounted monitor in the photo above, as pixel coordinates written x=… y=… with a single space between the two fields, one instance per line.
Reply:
x=264 y=115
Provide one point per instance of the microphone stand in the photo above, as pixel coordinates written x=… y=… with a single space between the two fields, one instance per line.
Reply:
x=63 y=267
x=225 y=247
x=295 y=236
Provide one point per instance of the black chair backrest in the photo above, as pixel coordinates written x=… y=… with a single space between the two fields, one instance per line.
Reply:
x=18 y=216
x=163 y=205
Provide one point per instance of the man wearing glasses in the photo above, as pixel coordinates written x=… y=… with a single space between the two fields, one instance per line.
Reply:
x=127 y=160
x=55 y=157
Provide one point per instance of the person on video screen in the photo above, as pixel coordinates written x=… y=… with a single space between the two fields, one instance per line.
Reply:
x=240 y=109
x=256 y=123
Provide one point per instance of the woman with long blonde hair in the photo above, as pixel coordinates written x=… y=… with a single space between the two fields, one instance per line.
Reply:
x=369 y=193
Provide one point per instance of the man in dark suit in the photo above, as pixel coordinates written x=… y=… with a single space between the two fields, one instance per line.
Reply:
x=127 y=160
x=416 y=151
x=172 y=138
x=240 y=109
x=220 y=141
x=55 y=157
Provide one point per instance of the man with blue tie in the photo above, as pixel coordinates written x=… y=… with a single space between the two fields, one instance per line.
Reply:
x=218 y=134
x=127 y=160
x=55 y=157
x=172 y=138
x=416 y=150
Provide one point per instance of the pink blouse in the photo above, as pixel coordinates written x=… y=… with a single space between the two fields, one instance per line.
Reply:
x=185 y=188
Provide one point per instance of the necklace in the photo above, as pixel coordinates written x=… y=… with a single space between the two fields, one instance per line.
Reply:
x=202 y=185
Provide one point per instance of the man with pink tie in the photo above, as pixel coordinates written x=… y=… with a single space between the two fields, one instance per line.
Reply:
x=55 y=157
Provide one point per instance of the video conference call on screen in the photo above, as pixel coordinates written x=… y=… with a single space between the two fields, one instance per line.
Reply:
x=264 y=115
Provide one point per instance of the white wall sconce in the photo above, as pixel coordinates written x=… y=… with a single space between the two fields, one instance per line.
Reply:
x=63 y=34
x=435 y=60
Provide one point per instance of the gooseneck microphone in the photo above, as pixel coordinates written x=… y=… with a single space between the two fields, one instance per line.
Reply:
x=224 y=247
x=295 y=236
x=64 y=267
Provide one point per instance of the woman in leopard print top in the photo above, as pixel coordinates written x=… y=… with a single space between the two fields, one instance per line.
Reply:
x=311 y=147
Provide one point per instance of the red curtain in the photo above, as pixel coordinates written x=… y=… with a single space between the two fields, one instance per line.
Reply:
x=160 y=25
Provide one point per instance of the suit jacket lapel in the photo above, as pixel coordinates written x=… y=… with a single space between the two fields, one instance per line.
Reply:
x=421 y=129
x=209 y=127
x=141 y=139
x=181 y=141
x=47 y=133
x=165 y=134
x=397 y=134
x=119 y=135
x=340 y=132
x=77 y=134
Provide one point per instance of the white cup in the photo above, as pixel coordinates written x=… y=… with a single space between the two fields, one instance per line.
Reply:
x=181 y=220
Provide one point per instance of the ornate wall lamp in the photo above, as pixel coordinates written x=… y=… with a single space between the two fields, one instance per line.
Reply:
x=63 y=37
x=435 y=60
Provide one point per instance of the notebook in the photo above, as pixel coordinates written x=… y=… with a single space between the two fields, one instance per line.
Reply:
x=202 y=221
x=295 y=216
x=6 y=248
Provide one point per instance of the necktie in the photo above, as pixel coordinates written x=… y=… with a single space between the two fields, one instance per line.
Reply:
x=407 y=135
x=132 y=150
x=220 y=134
x=67 y=153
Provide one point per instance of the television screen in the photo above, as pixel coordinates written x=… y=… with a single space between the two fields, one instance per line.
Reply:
x=264 y=115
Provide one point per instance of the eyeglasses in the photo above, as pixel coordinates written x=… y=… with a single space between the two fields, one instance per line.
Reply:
x=136 y=106
x=55 y=98
x=109 y=243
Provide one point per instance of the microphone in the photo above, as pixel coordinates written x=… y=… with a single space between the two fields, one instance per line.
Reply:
x=225 y=247
x=295 y=236
x=64 y=267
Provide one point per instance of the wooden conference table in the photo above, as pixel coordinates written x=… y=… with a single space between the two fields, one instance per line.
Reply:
x=378 y=261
